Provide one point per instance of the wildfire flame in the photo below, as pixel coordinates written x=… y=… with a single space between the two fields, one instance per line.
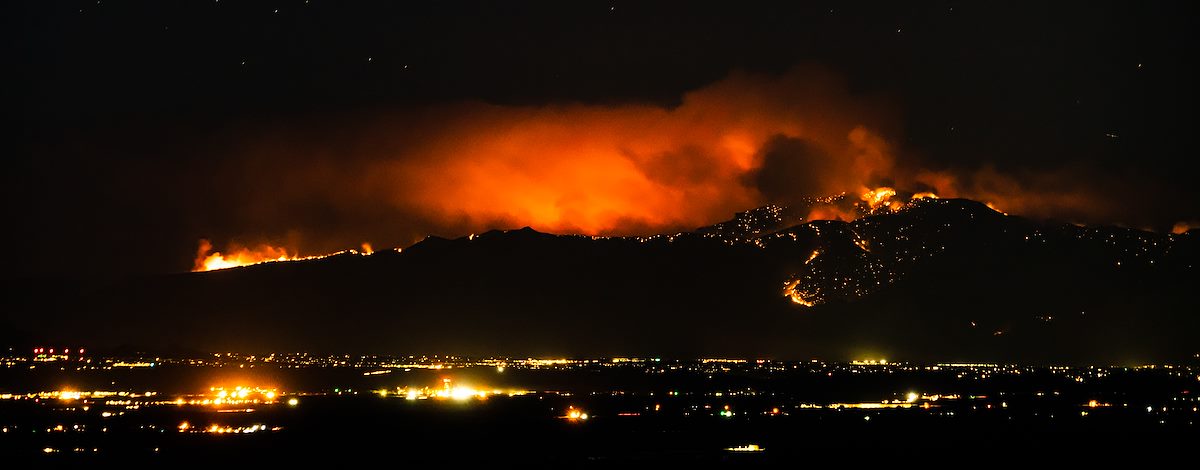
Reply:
x=873 y=201
x=235 y=256
x=993 y=207
x=879 y=197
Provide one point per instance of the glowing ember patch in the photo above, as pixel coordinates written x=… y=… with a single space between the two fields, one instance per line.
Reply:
x=799 y=296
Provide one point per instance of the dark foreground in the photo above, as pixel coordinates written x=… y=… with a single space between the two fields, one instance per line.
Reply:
x=775 y=414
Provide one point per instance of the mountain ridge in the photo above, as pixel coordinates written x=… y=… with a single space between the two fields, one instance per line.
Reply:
x=940 y=280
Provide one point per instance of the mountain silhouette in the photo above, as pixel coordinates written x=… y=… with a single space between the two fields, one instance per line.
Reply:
x=940 y=280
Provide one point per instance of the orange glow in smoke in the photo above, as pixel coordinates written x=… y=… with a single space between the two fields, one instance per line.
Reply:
x=831 y=212
x=636 y=169
x=630 y=169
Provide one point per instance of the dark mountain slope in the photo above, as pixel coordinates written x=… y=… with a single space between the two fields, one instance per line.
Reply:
x=940 y=280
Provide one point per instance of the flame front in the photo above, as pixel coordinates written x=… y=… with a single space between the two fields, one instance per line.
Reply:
x=237 y=255
x=208 y=260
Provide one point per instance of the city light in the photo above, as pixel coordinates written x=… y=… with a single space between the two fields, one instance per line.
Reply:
x=575 y=414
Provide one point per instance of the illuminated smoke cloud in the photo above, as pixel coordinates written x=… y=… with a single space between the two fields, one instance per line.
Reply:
x=634 y=169
x=1184 y=225
x=738 y=143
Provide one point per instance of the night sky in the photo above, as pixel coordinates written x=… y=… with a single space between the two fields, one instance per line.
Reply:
x=138 y=128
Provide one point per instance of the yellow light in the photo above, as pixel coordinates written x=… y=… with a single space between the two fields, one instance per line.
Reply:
x=462 y=393
x=270 y=395
x=184 y=426
x=293 y=401
x=911 y=397
x=222 y=394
